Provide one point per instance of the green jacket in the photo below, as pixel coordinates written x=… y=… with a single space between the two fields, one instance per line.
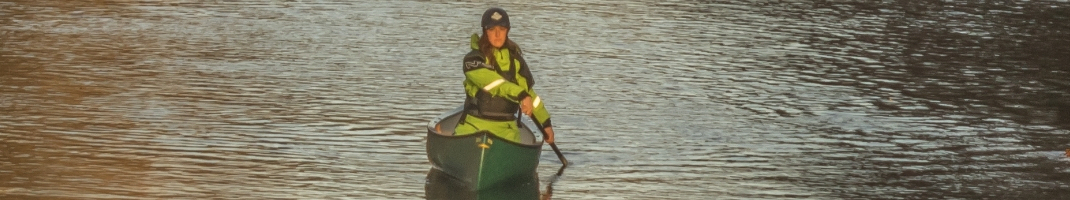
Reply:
x=500 y=87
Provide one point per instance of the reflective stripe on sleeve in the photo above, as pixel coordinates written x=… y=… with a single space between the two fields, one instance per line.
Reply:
x=537 y=102
x=494 y=84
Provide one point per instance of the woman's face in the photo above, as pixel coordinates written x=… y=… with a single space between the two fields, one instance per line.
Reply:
x=497 y=35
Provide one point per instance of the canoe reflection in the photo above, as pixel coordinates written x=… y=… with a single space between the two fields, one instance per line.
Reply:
x=442 y=186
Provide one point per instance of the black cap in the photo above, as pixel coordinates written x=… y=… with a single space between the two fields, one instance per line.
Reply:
x=495 y=17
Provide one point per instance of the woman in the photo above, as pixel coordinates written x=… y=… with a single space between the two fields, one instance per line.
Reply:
x=498 y=84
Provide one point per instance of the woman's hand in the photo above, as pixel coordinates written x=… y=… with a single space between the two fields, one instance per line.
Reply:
x=526 y=106
x=549 y=134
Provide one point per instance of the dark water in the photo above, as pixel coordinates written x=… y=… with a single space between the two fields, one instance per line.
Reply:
x=114 y=99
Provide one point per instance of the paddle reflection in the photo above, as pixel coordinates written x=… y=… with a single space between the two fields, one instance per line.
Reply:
x=550 y=184
x=441 y=186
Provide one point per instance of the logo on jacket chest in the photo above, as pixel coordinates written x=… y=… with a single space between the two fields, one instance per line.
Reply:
x=470 y=65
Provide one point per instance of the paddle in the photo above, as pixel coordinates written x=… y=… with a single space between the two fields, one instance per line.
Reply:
x=564 y=162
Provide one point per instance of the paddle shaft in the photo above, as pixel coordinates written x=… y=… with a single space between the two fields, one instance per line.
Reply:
x=564 y=162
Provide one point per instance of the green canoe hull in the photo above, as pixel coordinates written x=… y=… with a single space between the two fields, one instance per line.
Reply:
x=482 y=160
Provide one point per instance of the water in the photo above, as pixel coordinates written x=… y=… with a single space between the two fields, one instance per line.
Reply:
x=652 y=99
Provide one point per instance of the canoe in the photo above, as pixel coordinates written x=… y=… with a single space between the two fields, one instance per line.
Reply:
x=482 y=160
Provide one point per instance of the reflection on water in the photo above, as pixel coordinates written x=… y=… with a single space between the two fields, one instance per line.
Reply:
x=441 y=186
x=677 y=99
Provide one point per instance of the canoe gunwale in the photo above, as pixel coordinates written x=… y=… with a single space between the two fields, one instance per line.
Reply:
x=431 y=133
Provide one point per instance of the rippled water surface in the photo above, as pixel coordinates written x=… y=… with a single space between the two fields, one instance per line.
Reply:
x=307 y=99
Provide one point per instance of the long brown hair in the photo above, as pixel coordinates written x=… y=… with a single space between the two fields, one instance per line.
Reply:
x=488 y=49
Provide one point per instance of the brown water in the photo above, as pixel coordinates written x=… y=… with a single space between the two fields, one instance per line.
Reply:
x=115 y=99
